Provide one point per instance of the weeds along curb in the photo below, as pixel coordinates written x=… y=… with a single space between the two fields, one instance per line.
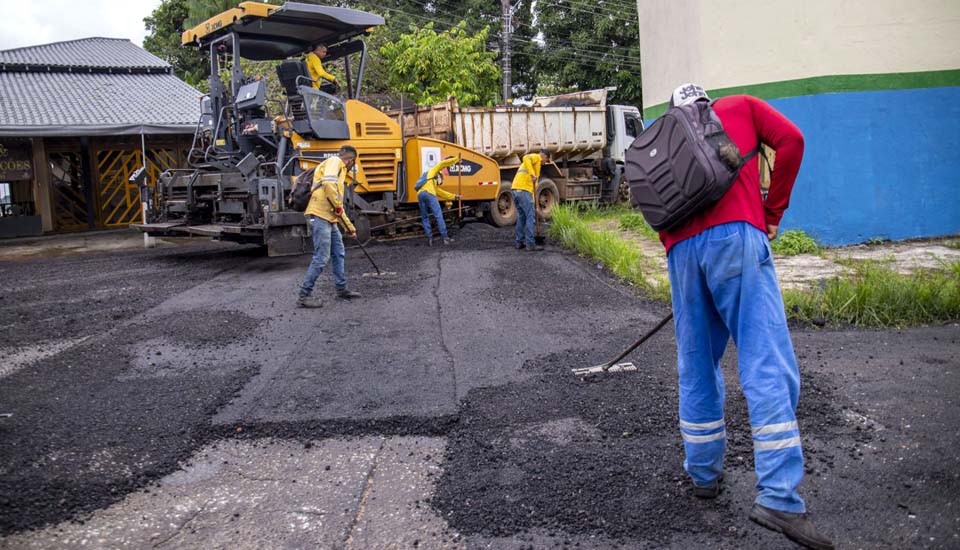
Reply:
x=570 y=227
x=874 y=296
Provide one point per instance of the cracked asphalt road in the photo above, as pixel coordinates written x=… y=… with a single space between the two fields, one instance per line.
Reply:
x=175 y=398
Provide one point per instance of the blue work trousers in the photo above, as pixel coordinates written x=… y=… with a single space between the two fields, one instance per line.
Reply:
x=429 y=204
x=523 y=200
x=723 y=284
x=327 y=246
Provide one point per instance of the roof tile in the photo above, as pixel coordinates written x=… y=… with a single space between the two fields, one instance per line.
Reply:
x=85 y=53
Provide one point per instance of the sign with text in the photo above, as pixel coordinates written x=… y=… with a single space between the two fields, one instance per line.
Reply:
x=16 y=161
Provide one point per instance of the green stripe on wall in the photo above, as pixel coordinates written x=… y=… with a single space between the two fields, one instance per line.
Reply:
x=832 y=84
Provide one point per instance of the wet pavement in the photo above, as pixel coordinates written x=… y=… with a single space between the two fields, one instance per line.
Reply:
x=175 y=398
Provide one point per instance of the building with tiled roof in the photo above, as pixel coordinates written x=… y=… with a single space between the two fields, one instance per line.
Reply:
x=76 y=119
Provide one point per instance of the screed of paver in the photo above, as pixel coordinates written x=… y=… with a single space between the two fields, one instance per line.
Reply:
x=239 y=495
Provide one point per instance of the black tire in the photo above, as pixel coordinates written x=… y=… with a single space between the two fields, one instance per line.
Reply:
x=548 y=196
x=502 y=212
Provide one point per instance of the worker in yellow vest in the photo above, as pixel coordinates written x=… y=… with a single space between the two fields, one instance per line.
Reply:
x=428 y=195
x=524 y=191
x=322 y=80
x=324 y=213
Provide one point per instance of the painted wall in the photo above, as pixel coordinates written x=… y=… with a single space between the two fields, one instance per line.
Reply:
x=873 y=84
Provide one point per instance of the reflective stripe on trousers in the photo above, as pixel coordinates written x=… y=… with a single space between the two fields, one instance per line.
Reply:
x=723 y=284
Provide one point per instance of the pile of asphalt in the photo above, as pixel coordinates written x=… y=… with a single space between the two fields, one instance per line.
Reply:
x=604 y=457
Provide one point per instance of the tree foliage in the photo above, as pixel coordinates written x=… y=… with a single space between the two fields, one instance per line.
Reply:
x=588 y=46
x=165 y=25
x=428 y=66
x=556 y=45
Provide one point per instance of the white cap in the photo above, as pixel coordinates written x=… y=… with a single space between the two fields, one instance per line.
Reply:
x=687 y=93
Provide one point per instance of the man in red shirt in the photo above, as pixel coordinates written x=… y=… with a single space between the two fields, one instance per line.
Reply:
x=723 y=284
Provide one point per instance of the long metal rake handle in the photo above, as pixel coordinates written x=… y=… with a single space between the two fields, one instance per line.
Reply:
x=642 y=339
x=367 y=254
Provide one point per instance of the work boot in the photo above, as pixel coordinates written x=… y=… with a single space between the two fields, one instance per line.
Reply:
x=347 y=294
x=429 y=242
x=795 y=527
x=447 y=240
x=534 y=248
x=520 y=246
x=708 y=491
x=309 y=302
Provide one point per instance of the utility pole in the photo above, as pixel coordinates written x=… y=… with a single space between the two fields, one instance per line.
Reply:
x=505 y=50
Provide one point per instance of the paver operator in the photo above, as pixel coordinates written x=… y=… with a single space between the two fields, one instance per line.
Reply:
x=524 y=184
x=429 y=190
x=322 y=80
x=323 y=213
x=723 y=284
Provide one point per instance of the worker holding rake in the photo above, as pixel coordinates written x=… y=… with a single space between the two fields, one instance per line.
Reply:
x=324 y=213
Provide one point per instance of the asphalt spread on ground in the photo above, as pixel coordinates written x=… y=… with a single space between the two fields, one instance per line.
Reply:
x=534 y=454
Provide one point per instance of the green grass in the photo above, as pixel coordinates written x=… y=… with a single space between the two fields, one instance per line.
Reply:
x=793 y=242
x=877 y=296
x=633 y=221
x=621 y=257
x=874 y=295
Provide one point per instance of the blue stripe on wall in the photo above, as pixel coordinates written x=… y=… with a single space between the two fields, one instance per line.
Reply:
x=877 y=164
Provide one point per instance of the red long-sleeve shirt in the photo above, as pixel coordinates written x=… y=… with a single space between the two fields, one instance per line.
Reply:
x=749 y=121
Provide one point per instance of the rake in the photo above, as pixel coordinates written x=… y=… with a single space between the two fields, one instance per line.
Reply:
x=614 y=366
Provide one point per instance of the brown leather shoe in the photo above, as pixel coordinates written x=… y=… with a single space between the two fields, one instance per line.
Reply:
x=309 y=302
x=796 y=527
x=709 y=491
x=347 y=294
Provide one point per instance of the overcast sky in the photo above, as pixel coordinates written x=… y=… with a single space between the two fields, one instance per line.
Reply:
x=28 y=23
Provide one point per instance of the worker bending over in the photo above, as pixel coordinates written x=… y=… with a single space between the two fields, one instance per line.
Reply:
x=524 y=184
x=323 y=213
x=724 y=285
x=322 y=80
x=429 y=190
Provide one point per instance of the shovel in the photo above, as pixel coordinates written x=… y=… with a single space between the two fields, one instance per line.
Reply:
x=613 y=366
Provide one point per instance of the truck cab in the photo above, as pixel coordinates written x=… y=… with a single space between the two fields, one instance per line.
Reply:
x=624 y=124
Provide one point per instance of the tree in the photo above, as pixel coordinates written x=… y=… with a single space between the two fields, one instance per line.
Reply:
x=428 y=67
x=587 y=46
x=165 y=25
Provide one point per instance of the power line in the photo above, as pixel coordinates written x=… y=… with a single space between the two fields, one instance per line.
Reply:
x=578 y=53
x=601 y=51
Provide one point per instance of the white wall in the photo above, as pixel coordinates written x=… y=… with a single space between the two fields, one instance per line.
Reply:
x=727 y=43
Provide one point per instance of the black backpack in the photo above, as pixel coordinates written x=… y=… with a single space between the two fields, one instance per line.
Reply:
x=681 y=164
x=302 y=190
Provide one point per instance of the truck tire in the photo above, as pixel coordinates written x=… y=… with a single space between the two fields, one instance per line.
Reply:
x=548 y=196
x=502 y=212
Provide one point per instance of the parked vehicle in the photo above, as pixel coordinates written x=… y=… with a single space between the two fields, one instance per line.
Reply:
x=585 y=136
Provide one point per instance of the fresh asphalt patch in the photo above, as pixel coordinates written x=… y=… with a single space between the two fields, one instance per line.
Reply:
x=111 y=415
x=600 y=457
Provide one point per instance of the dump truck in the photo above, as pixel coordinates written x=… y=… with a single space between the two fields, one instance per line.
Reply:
x=243 y=161
x=586 y=137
